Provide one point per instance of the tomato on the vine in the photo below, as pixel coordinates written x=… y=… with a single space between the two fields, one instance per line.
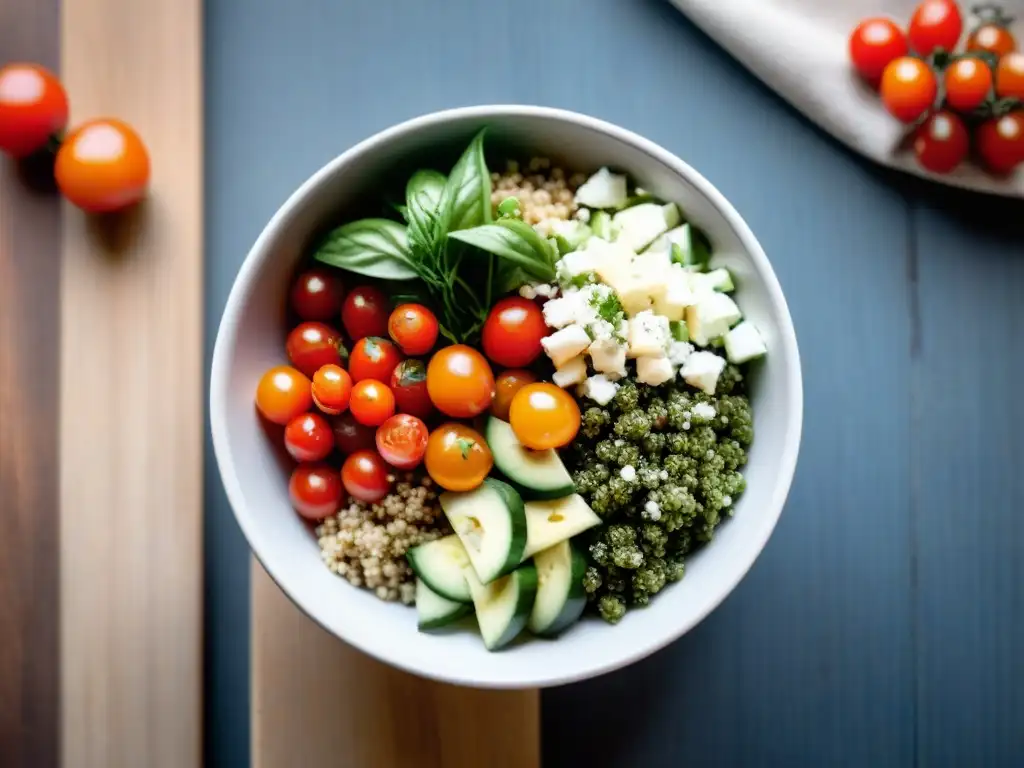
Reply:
x=365 y=476
x=459 y=381
x=1010 y=76
x=33 y=107
x=935 y=24
x=544 y=416
x=282 y=394
x=372 y=403
x=351 y=436
x=373 y=358
x=316 y=294
x=311 y=346
x=402 y=440
x=993 y=38
x=315 y=490
x=409 y=385
x=908 y=88
x=512 y=332
x=457 y=457
x=941 y=142
x=365 y=313
x=413 y=328
x=968 y=82
x=505 y=387
x=102 y=166
x=332 y=387
x=309 y=437
x=1000 y=142
x=873 y=44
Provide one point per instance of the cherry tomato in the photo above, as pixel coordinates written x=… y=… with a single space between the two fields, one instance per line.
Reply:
x=941 y=142
x=282 y=394
x=993 y=38
x=332 y=387
x=102 y=166
x=309 y=437
x=365 y=476
x=544 y=416
x=457 y=457
x=935 y=24
x=512 y=332
x=409 y=385
x=373 y=358
x=873 y=44
x=908 y=88
x=1000 y=142
x=968 y=82
x=414 y=328
x=507 y=384
x=351 y=436
x=316 y=294
x=402 y=441
x=460 y=382
x=311 y=346
x=372 y=403
x=33 y=107
x=315 y=490
x=1010 y=76
x=365 y=313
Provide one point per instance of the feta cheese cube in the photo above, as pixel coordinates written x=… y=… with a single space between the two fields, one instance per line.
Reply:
x=608 y=356
x=572 y=372
x=578 y=262
x=562 y=346
x=702 y=369
x=653 y=370
x=712 y=317
x=744 y=343
x=648 y=334
x=603 y=190
x=678 y=352
x=599 y=389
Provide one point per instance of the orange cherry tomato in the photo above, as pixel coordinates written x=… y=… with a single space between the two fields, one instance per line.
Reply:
x=457 y=457
x=908 y=88
x=316 y=294
x=311 y=346
x=402 y=440
x=1000 y=142
x=332 y=388
x=282 y=394
x=315 y=490
x=372 y=403
x=968 y=82
x=309 y=437
x=506 y=385
x=941 y=142
x=102 y=166
x=512 y=332
x=993 y=38
x=873 y=44
x=1010 y=76
x=373 y=358
x=33 y=107
x=460 y=382
x=544 y=416
x=365 y=476
x=413 y=328
x=935 y=24
x=409 y=385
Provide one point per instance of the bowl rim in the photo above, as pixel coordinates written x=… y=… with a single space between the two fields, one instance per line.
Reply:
x=786 y=338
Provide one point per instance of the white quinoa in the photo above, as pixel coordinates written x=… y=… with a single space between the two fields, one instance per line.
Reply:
x=545 y=193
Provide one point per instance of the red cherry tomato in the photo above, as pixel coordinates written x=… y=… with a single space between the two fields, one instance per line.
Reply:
x=460 y=382
x=316 y=294
x=512 y=332
x=365 y=476
x=373 y=358
x=935 y=24
x=1000 y=142
x=332 y=387
x=414 y=328
x=1010 y=76
x=372 y=403
x=102 y=166
x=409 y=385
x=941 y=142
x=33 y=107
x=315 y=490
x=309 y=437
x=908 y=88
x=351 y=436
x=311 y=346
x=968 y=82
x=402 y=441
x=992 y=38
x=282 y=394
x=873 y=44
x=365 y=313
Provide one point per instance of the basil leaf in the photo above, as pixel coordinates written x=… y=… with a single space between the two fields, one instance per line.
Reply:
x=466 y=201
x=422 y=200
x=516 y=242
x=371 y=247
x=510 y=278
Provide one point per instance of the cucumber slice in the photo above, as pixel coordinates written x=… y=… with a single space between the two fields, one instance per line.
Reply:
x=503 y=606
x=441 y=565
x=549 y=522
x=540 y=474
x=560 y=594
x=601 y=225
x=679 y=330
x=491 y=523
x=434 y=611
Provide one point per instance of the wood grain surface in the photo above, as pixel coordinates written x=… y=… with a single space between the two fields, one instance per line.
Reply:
x=29 y=363
x=131 y=402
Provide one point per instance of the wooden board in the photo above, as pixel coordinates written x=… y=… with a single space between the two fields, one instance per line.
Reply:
x=317 y=701
x=131 y=402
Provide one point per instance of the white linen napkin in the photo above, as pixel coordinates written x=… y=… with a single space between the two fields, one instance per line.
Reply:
x=800 y=49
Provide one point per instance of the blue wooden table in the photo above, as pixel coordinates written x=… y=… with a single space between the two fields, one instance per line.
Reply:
x=884 y=623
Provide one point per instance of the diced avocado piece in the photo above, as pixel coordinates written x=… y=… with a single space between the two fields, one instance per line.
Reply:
x=490 y=521
x=549 y=522
x=744 y=343
x=603 y=190
x=640 y=225
x=570 y=235
x=601 y=225
x=560 y=595
x=503 y=607
x=441 y=564
x=434 y=611
x=540 y=474
x=720 y=280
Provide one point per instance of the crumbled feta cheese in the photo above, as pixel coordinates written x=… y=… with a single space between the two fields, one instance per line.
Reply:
x=528 y=291
x=546 y=290
x=653 y=370
x=564 y=345
x=678 y=351
x=652 y=511
x=628 y=473
x=572 y=372
x=599 y=389
x=648 y=334
x=561 y=312
x=744 y=343
x=702 y=370
x=704 y=411
x=727 y=501
x=583 y=214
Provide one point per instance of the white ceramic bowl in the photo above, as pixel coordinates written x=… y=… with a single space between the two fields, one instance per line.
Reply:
x=251 y=339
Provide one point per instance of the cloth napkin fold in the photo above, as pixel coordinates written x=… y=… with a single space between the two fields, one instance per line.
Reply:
x=799 y=48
